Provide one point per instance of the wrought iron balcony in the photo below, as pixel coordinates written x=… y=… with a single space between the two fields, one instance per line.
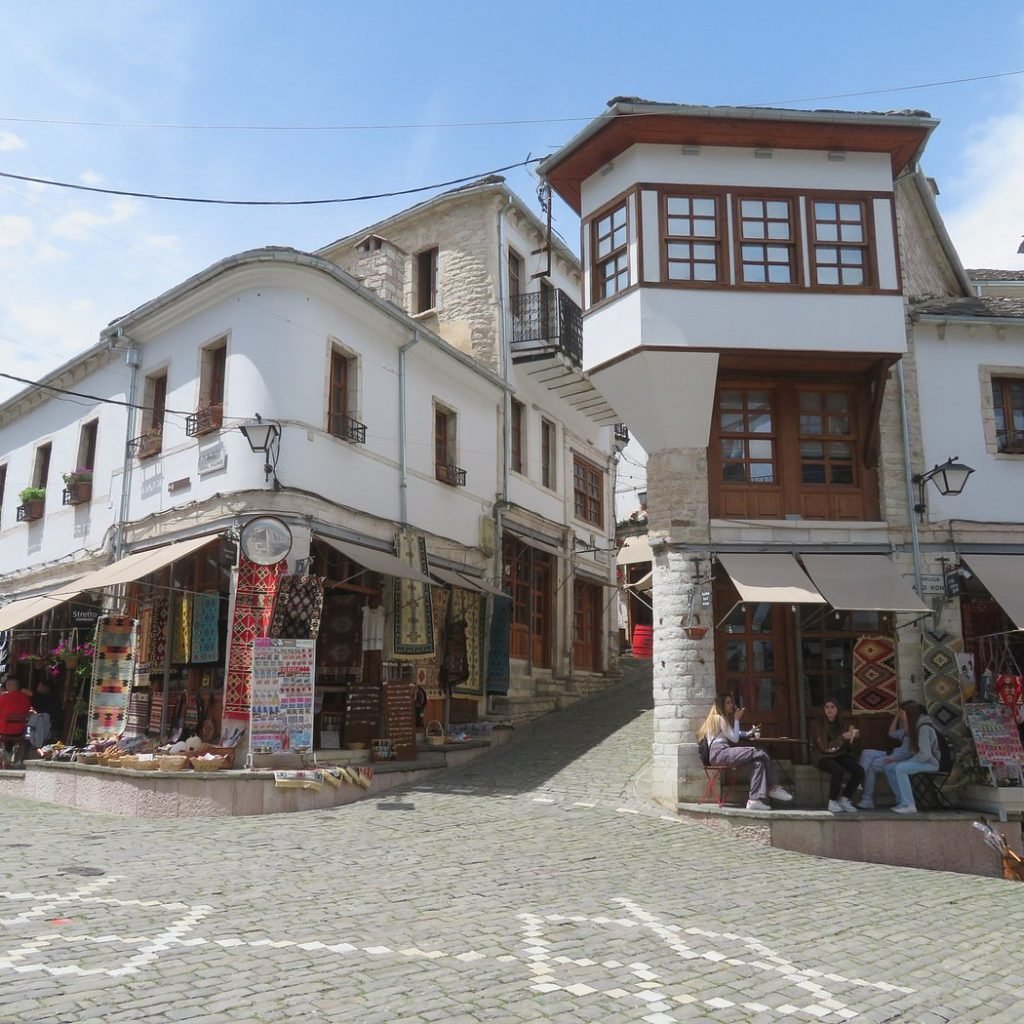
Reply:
x=621 y=435
x=1010 y=442
x=205 y=421
x=348 y=429
x=148 y=444
x=31 y=511
x=544 y=323
x=450 y=474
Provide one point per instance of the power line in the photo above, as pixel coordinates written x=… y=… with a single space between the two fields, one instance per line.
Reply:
x=499 y=123
x=94 y=398
x=267 y=202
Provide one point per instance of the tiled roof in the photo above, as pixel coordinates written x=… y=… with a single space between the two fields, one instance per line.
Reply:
x=996 y=275
x=975 y=307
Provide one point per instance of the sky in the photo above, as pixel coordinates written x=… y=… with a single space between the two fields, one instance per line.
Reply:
x=311 y=100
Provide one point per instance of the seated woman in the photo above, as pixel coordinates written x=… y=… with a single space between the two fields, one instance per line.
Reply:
x=722 y=729
x=875 y=761
x=924 y=755
x=832 y=753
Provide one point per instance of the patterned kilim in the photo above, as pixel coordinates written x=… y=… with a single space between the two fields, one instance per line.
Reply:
x=413 y=618
x=138 y=714
x=158 y=636
x=145 y=633
x=205 y=619
x=428 y=672
x=875 y=679
x=498 y=671
x=340 y=643
x=297 y=608
x=112 y=675
x=254 y=604
x=942 y=679
x=470 y=611
x=156 y=710
x=181 y=628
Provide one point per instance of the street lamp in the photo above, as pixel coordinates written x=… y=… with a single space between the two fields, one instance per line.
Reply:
x=949 y=478
x=264 y=436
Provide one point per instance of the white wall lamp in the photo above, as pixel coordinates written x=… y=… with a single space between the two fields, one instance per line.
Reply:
x=949 y=479
x=264 y=436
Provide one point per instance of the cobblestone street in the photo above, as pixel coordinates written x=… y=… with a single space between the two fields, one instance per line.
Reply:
x=534 y=884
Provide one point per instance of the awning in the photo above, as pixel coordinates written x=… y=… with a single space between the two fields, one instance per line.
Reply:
x=862 y=583
x=453 y=579
x=1003 y=579
x=124 y=570
x=376 y=561
x=635 y=549
x=644 y=583
x=595 y=581
x=484 y=586
x=774 y=579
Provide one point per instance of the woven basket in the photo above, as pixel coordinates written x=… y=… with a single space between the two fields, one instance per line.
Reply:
x=435 y=734
x=227 y=753
x=87 y=758
x=148 y=765
x=208 y=764
x=172 y=763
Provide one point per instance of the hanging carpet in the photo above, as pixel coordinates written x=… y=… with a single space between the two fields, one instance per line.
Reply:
x=158 y=633
x=413 y=619
x=470 y=608
x=205 y=622
x=498 y=672
x=942 y=679
x=138 y=714
x=112 y=675
x=145 y=633
x=181 y=628
x=875 y=679
x=297 y=608
x=339 y=644
x=156 y=711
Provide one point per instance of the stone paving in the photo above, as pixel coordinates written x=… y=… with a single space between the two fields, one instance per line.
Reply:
x=534 y=884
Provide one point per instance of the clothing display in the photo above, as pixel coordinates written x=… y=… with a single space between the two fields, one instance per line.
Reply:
x=373 y=628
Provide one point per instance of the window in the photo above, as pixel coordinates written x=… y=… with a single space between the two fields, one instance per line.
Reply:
x=746 y=425
x=610 y=253
x=87 y=445
x=827 y=440
x=426 y=280
x=588 y=492
x=548 y=309
x=767 y=241
x=692 y=239
x=548 y=455
x=517 y=427
x=3 y=486
x=211 y=380
x=340 y=398
x=840 y=244
x=445 y=469
x=155 y=403
x=1008 y=406
x=515 y=274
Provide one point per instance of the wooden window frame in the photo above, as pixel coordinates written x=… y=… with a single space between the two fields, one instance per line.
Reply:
x=588 y=492
x=548 y=454
x=793 y=244
x=746 y=436
x=617 y=256
x=426 y=280
x=866 y=247
x=517 y=439
x=852 y=438
x=3 y=486
x=668 y=239
x=155 y=401
x=1003 y=402
x=341 y=394
x=516 y=274
x=41 y=464
x=445 y=441
x=88 y=435
x=213 y=374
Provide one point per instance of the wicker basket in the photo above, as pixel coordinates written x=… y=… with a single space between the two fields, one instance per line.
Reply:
x=150 y=764
x=172 y=762
x=227 y=753
x=83 y=758
x=208 y=764
x=435 y=734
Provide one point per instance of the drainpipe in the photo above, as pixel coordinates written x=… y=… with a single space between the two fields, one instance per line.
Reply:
x=403 y=457
x=915 y=539
x=133 y=360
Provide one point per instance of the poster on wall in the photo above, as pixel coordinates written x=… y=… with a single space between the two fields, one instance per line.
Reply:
x=996 y=738
x=283 y=673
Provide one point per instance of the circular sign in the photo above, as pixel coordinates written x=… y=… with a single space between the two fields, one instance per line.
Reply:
x=266 y=540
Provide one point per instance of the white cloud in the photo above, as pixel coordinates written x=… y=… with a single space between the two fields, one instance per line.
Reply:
x=168 y=243
x=987 y=224
x=15 y=231
x=79 y=224
x=91 y=178
x=47 y=253
x=11 y=143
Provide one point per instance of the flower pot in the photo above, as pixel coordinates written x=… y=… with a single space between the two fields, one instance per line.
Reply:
x=70 y=660
x=33 y=509
x=696 y=632
x=78 y=492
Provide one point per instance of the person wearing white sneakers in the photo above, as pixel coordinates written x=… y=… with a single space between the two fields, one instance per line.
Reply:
x=875 y=761
x=924 y=756
x=832 y=753
x=722 y=730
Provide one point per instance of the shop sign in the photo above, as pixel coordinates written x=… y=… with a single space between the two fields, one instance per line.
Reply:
x=213 y=458
x=932 y=584
x=84 y=616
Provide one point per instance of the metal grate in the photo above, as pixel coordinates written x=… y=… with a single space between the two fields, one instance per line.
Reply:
x=622 y=433
x=546 y=321
x=147 y=444
x=348 y=429
x=449 y=474
x=204 y=421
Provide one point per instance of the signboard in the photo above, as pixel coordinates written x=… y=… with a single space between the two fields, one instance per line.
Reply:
x=995 y=735
x=281 y=715
x=946 y=584
x=211 y=459
x=362 y=712
x=400 y=718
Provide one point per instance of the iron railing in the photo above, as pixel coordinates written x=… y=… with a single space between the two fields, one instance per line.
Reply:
x=1009 y=441
x=450 y=474
x=147 y=444
x=621 y=434
x=348 y=429
x=204 y=421
x=545 y=322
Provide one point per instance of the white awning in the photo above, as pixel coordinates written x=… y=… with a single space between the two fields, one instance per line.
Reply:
x=124 y=570
x=1003 y=578
x=772 y=579
x=484 y=586
x=376 y=561
x=644 y=583
x=635 y=549
x=863 y=583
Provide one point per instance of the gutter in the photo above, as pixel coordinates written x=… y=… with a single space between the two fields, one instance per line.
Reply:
x=403 y=455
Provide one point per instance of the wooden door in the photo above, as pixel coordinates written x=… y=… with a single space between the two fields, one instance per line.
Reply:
x=586 y=627
x=540 y=609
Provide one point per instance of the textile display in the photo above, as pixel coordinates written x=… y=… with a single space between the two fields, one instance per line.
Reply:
x=156 y=710
x=283 y=673
x=942 y=679
x=470 y=611
x=413 y=618
x=297 y=608
x=205 y=620
x=181 y=628
x=498 y=670
x=455 y=660
x=112 y=676
x=996 y=738
x=145 y=633
x=158 y=634
x=340 y=642
x=302 y=778
x=373 y=628
x=254 y=604
x=428 y=673
x=138 y=714
x=875 y=679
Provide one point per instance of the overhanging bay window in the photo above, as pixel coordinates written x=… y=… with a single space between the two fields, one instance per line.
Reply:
x=692 y=238
x=767 y=249
x=840 y=256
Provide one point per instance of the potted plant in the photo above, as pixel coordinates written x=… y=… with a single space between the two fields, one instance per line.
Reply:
x=33 y=501
x=150 y=443
x=79 y=486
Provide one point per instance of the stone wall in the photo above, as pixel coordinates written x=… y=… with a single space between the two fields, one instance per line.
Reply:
x=923 y=261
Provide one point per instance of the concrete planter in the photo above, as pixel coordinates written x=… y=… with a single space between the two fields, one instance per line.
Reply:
x=1001 y=800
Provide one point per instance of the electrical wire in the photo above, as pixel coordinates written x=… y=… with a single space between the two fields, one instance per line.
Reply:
x=94 y=398
x=267 y=202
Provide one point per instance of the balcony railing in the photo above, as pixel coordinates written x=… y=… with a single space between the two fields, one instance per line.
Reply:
x=148 y=444
x=544 y=323
x=450 y=474
x=1010 y=442
x=621 y=434
x=31 y=511
x=205 y=421
x=348 y=429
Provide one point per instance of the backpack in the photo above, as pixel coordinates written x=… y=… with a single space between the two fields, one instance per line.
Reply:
x=704 y=751
x=945 y=752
